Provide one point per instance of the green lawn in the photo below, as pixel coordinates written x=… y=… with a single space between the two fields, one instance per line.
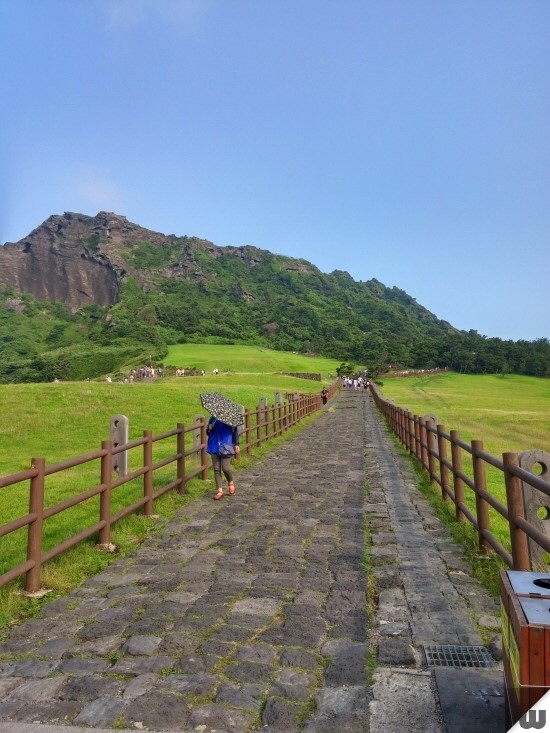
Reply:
x=247 y=359
x=510 y=413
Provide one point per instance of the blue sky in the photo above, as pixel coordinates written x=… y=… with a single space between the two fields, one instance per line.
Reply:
x=402 y=140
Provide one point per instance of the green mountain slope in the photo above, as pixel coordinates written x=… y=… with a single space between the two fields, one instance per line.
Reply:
x=166 y=289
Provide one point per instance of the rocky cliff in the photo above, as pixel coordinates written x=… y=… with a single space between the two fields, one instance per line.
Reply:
x=59 y=260
x=82 y=260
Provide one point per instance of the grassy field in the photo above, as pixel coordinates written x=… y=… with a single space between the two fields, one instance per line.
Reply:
x=247 y=359
x=509 y=414
x=62 y=420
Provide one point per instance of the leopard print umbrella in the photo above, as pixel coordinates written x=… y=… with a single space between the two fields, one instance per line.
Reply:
x=223 y=408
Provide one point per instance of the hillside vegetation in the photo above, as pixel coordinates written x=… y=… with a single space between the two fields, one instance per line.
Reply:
x=179 y=290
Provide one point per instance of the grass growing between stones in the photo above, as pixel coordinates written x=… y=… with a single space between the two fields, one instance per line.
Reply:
x=113 y=657
x=372 y=594
x=308 y=711
x=486 y=567
x=119 y=723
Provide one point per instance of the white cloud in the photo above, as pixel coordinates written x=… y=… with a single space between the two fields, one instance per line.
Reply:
x=126 y=14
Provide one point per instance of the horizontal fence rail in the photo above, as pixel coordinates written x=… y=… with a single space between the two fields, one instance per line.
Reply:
x=442 y=453
x=186 y=461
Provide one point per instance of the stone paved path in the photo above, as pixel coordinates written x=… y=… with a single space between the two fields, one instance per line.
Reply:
x=243 y=614
x=248 y=614
x=426 y=596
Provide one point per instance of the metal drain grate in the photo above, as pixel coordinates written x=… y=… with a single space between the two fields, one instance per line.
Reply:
x=450 y=655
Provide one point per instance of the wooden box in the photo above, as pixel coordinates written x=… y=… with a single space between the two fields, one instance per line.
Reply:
x=525 y=611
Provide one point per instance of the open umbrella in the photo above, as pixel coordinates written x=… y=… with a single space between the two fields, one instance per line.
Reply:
x=223 y=408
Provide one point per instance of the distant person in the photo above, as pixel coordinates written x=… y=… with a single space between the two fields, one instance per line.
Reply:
x=324 y=395
x=222 y=445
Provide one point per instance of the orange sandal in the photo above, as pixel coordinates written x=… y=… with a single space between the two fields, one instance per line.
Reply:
x=218 y=495
x=231 y=487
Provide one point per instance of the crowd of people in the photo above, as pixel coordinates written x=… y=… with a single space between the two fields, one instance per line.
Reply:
x=145 y=372
x=355 y=382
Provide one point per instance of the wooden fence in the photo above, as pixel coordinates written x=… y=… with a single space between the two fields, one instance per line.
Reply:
x=189 y=460
x=442 y=455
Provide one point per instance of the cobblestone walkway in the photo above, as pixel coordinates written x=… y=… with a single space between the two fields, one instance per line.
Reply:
x=243 y=614
x=426 y=596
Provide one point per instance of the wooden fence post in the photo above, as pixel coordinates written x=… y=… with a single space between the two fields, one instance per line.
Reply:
x=407 y=429
x=423 y=444
x=458 y=483
x=482 y=508
x=401 y=432
x=431 y=448
x=399 y=421
x=270 y=422
x=35 y=531
x=148 y=475
x=417 y=438
x=443 y=468
x=277 y=430
x=259 y=426
x=404 y=432
x=204 y=454
x=197 y=435
x=246 y=431
x=180 y=450
x=105 y=496
x=412 y=434
x=514 y=500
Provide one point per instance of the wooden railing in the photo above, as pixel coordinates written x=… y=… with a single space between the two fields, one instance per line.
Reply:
x=441 y=454
x=185 y=463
